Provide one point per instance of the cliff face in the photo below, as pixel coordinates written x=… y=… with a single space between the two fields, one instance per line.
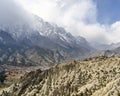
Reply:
x=99 y=76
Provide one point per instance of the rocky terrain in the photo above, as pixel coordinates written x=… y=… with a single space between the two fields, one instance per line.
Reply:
x=108 y=53
x=29 y=56
x=99 y=76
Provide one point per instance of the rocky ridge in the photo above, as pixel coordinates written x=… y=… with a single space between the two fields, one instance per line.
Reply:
x=98 y=76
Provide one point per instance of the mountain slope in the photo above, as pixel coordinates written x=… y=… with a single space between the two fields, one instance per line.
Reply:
x=30 y=56
x=38 y=32
x=28 y=52
x=17 y=53
x=26 y=31
x=95 y=77
x=48 y=36
x=5 y=38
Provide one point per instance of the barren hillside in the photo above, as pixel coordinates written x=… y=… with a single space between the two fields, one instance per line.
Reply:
x=98 y=76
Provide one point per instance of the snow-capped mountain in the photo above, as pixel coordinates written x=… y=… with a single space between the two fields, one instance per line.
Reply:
x=50 y=36
x=39 y=32
x=38 y=48
x=58 y=34
x=22 y=31
x=28 y=28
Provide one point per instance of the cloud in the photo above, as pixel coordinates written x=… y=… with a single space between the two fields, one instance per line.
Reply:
x=12 y=13
x=62 y=11
x=69 y=14
x=114 y=31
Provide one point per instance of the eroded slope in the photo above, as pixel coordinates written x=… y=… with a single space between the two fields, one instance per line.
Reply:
x=99 y=76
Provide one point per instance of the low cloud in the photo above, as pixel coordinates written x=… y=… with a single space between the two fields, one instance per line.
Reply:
x=12 y=13
x=77 y=17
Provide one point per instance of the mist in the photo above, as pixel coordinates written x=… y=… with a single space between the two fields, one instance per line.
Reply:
x=12 y=13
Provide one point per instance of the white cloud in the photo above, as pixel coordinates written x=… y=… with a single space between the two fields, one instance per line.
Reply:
x=114 y=31
x=77 y=16
x=62 y=11
x=11 y=13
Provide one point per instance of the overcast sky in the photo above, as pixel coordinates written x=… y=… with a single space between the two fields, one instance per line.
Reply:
x=96 y=20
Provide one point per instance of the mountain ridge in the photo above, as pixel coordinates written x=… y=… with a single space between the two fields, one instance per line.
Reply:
x=46 y=36
x=88 y=77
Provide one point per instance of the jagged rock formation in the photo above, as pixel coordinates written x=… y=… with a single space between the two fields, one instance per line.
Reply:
x=98 y=76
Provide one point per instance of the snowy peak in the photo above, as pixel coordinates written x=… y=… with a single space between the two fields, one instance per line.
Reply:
x=58 y=34
x=38 y=27
x=22 y=25
x=34 y=31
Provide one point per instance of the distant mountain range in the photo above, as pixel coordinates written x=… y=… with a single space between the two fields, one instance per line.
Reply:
x=105 y=46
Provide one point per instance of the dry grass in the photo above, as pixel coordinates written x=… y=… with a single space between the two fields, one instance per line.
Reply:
x=99 y=76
